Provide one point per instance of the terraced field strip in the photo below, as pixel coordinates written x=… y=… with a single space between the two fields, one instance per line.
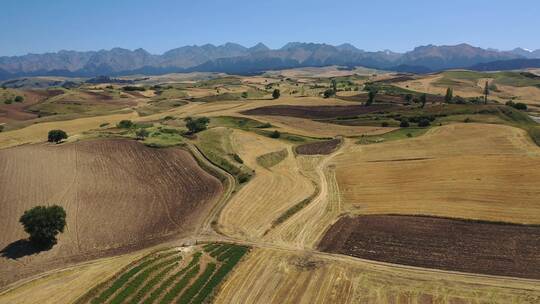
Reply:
x=192 y=269
x=127 y=276
x=163 y=278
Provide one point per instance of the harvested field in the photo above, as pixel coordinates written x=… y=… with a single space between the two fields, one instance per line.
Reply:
x=317 y=112
x=285 y=276
x=312 y=128
x=440 y=243
x=321 y=147
x=118 y=195
x=38 y=132
x=249 y=214
x=473 y=171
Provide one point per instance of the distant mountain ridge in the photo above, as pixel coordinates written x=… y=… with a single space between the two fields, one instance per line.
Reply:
x=235 y=58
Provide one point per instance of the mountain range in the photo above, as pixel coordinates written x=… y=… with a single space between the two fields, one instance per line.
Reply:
x=237 y=59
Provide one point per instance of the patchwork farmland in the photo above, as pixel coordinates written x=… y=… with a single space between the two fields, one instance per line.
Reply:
x=210 y=190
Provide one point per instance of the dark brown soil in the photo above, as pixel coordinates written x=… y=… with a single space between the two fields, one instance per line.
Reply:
x=321 y=147
x=317 y=112
x=449 y=244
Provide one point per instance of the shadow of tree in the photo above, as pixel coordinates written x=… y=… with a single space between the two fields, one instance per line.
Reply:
x=21 y=248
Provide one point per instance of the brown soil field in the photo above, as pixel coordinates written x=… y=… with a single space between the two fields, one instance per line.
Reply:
x=118 y=195
x=473 y=171
x=321 y=147
x=19 y=110
x=458 y=245
x=316 y=112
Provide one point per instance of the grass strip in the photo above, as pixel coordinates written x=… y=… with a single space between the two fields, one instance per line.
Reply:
x=210 y=247
x=169 y=297
x=139 y=279
x=151 y=284
x=220 y=250
x=234 y=255
x=122 y=280
x=169 y=281
x=189 y=293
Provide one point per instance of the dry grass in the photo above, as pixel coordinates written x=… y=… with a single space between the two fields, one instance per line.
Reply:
x=38 y=132
x=471 y=171
x=50 y=288
x=256 y=205
x=279 y=276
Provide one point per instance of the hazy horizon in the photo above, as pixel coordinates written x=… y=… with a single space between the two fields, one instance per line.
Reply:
x=39 y=27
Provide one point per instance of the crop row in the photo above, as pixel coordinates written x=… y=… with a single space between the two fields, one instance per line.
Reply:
x=192 y=267
x=123 y=279
x=139 y=279
x=186 y=297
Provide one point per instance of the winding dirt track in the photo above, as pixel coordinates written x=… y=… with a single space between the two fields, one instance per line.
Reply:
x=284 y=266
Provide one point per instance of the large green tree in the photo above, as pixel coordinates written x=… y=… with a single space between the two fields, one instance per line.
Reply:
x=56 y=136
x=43 y=223
x=195 y=125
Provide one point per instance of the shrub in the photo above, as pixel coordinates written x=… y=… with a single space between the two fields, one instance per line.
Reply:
x=141 y=134
x=329 y=93
x=103 y=125
x=467 y=120
x=196 y=125
x=404 y=123
x=237 y=158
x=520 y=106
x=8 y=101
x=242 y=178
x=43 y=223
x=19 y=98
x=56 y=136
x=409 y=135
x=264 y=126
x=125 y=124
x=384 y=124
x=424 y=122
x=276 y=94
x=244 y=94
x=133 y=88
x=275 y=134
x=1 y=128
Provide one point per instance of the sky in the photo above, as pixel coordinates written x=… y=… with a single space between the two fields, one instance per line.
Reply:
x=38 y=26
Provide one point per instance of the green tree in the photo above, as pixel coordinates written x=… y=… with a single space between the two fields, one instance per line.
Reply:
x=449 y=95
x=424 y=122
x=334 y=85
x=486 y=92
x=197 y=124
x=275 y=134
x=244 y=94
x=125 y=124
x=423 y=100
x=276 y=94
x=56 y=136
x=19 y=98
x=408 y=98
x=404 y=123
x=43 y=223
x=328 y=93
x=371 y=97
x=141 y=134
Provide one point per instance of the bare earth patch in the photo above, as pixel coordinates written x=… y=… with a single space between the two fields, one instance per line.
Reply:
x=449 y=244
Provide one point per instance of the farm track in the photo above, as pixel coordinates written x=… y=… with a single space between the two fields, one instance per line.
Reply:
x=285 y=266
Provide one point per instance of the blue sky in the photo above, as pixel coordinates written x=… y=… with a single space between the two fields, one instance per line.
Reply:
x=37 y=26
